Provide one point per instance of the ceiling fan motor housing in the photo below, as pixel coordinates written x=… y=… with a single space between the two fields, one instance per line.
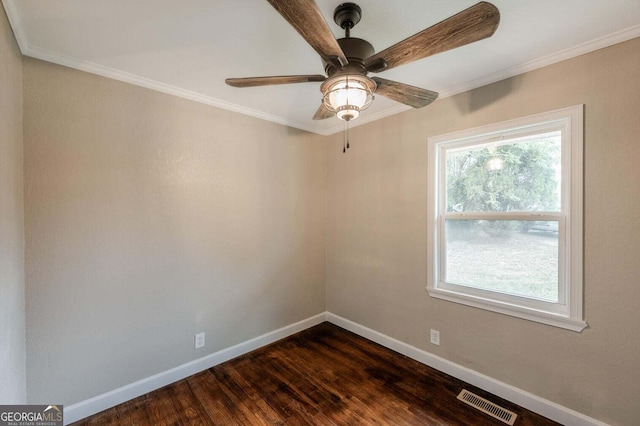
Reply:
x=356 y=51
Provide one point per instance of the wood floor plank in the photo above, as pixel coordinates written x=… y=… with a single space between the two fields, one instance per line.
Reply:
x=322 y=376
x=185 y=402
x=131 y=413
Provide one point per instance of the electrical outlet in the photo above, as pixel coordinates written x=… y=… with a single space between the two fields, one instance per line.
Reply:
x=199 y=340
x=435 y=337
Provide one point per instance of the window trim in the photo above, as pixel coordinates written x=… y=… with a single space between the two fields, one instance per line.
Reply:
x=568 y=312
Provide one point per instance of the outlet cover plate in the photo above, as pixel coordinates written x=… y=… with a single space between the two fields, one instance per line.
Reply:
x=199 y=340
x=435 y=337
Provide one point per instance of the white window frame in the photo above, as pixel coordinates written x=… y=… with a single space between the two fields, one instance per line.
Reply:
x=568 y=311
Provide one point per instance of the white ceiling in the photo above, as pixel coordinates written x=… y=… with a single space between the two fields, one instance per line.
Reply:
x=188 y=47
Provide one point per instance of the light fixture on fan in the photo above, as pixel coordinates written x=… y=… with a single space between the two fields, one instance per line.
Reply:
x=347 y=95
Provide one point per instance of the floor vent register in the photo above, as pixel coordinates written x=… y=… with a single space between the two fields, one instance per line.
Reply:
x=487 y=407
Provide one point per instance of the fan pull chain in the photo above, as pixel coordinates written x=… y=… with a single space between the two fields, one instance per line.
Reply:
x=345 y=137
x=344 y=141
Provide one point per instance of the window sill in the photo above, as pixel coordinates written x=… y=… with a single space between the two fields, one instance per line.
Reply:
x=509 y=309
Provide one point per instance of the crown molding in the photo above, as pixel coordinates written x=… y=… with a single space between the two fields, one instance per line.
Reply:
x=93 y=68
x=15 y=20
x=562 y=55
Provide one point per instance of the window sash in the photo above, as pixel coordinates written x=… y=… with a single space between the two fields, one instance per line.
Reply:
x=560 y=307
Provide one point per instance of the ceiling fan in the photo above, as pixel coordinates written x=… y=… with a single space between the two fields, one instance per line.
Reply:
x=347 y=90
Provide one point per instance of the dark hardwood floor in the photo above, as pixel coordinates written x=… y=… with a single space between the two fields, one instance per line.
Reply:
x=322 y=376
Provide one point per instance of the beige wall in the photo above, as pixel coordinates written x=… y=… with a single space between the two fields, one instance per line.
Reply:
x=376 y=237
x=150 y=218
x=12 y=310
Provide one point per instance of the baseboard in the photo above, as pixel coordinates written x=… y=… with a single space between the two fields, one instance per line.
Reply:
x=112 y=398
x=525 y=399
x=518 y=396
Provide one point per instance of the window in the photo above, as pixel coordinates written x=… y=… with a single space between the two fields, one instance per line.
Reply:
x=505 y=218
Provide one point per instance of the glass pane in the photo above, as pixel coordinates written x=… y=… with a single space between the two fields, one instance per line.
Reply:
x=507 y=256
x=514 y=175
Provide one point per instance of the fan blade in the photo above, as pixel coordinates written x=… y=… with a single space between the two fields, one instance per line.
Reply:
x=323 y=113
x=305 y=17
x=473 y=24
x=267 y=81
x=404 y=93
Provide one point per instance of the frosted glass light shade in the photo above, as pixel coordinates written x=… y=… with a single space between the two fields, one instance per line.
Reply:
x=348 y=96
